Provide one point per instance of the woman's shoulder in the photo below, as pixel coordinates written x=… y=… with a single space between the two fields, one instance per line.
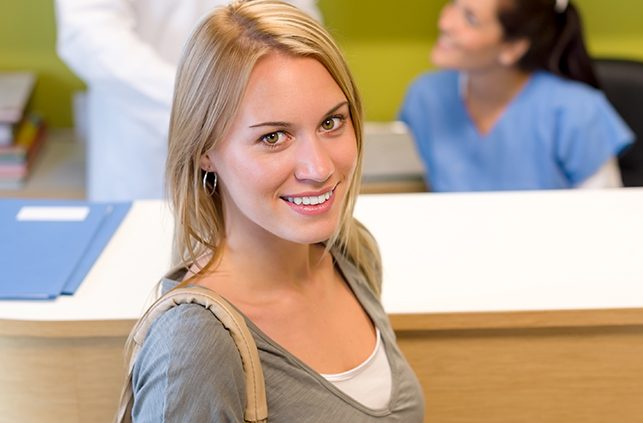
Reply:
x=565 y=100
x=185 y=351
x=189 y=330
x=565 y=91
x=364 y=271
x=186 y=336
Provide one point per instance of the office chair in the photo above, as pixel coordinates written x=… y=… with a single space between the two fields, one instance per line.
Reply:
x=622 y=82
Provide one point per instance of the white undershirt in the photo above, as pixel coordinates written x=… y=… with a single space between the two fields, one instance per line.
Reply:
x=370 y=382
x=608 y=176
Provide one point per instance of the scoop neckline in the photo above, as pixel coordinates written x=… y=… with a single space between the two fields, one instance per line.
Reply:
x=355 y=371
x=339 y=263
x=504 y=116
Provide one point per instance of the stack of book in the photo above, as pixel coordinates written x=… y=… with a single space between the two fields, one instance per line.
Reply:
x=21 y=132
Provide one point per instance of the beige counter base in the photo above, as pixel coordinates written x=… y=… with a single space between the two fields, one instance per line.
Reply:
x=545 y=367
x=567 y=366
x=50 y=380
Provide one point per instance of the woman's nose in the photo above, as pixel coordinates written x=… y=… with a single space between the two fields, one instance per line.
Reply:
x=314 y=161
x=446 y=20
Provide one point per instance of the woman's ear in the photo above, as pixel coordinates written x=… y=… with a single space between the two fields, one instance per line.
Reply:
x=513 y=51
x=206 y=163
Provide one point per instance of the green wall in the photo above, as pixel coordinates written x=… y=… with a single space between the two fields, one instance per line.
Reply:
x=27 y=41
x=386 y=44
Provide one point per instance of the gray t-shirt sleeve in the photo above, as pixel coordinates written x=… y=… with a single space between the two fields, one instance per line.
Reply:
x=188 y=370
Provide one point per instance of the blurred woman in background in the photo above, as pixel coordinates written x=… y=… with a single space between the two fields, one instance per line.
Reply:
x=518 y=105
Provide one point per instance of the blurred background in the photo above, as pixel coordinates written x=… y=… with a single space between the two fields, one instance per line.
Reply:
x=386 y=43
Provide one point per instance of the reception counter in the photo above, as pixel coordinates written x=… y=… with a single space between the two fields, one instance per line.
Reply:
x=511 y=307
x=517 y=307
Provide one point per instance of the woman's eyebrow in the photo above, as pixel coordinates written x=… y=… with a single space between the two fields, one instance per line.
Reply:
x=283 y=124
x=276 y=123
x=339 y=106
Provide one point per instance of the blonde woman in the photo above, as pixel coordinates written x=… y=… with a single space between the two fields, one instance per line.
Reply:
x=263 y=170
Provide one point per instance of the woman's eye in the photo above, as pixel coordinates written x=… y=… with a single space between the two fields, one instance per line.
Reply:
x=273 y=137
x=471 y=19
x=331 y=123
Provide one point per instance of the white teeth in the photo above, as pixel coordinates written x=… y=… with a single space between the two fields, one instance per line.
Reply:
x=312 y=200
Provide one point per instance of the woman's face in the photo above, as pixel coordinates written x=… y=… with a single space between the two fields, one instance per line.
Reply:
x=470 y=36
x=285 y=166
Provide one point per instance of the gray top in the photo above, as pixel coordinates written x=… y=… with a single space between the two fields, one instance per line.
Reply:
x=189 y=370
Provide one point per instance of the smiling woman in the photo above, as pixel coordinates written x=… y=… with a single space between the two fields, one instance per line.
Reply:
x=517 y=106
x=264 y=160
x=277 y=165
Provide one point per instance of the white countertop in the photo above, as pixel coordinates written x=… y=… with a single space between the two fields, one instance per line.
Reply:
x=555 y=250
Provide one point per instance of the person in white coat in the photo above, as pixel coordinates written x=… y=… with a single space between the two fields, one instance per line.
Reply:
x=126 y=51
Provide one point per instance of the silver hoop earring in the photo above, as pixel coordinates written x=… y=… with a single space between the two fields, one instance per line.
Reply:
x=205 y=184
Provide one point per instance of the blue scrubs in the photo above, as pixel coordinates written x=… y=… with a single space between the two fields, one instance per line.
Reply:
x=555 y=133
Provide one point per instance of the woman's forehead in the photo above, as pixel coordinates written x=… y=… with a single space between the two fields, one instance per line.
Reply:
x=289 y=85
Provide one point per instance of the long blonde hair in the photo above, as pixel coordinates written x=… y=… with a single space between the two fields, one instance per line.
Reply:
x=212 y=76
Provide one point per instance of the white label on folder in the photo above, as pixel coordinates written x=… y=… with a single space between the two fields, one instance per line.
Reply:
x=48 y=213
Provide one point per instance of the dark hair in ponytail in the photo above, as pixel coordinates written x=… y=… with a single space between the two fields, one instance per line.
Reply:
x=555 y=38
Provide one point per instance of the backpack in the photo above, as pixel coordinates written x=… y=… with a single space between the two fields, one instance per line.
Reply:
x=256 y=410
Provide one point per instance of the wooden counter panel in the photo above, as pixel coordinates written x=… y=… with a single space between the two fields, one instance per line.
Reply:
x=587 y=375
x=66 y=329
x=71 y=380
x=518 y=319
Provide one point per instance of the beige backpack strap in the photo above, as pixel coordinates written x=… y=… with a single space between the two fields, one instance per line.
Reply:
x=256 y=407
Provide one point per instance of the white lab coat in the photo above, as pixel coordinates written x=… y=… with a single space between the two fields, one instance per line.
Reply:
x=127 y=51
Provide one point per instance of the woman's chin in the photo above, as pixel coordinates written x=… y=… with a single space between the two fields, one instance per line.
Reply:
x=438 y=57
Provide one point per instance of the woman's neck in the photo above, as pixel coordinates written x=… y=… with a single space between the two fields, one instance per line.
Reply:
x=495 y=87
x=283 y=261
x=487 y=94
x=267 y=269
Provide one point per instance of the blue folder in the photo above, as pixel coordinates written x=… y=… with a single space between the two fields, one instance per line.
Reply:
x=114 y=215
x=48 y=246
